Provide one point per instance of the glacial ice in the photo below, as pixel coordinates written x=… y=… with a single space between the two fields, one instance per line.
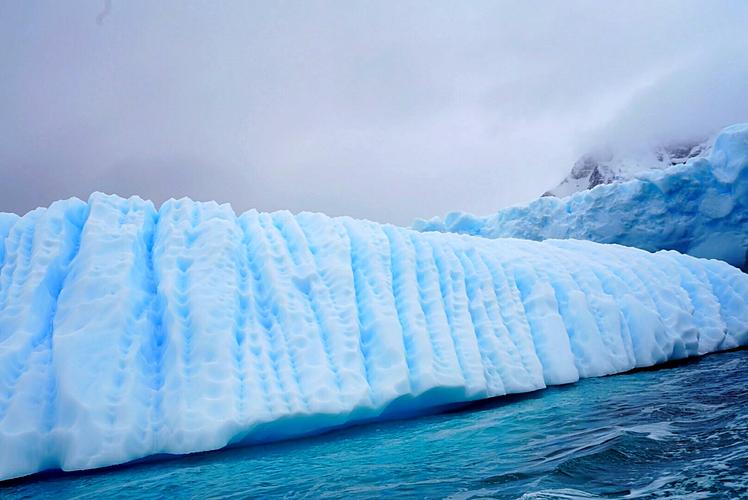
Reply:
x=700 y=208
x=127 y=332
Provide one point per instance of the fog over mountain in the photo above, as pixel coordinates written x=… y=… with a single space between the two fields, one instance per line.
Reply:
x=378 y=110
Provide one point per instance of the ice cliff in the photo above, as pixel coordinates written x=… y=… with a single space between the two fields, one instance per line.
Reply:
x=127 y=332
x=699 y=208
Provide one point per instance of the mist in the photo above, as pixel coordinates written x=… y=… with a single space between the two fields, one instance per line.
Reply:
x=380 y=110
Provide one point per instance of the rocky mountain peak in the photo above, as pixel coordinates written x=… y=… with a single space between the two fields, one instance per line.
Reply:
x=605 y=167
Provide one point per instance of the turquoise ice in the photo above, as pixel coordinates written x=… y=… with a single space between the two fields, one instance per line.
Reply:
x=127 y=332
x=700 y=208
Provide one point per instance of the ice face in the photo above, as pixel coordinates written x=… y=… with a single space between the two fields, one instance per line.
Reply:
x=127 y=332
x=700 y=208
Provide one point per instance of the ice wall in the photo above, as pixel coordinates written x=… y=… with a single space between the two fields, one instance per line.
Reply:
x=700 y=208
x=127 y=332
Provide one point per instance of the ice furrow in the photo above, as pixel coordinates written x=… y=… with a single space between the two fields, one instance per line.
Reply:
x=582 y=316
x=336 y=304
x=7 y=221
x=419 y=354
x=28 y=389
x=144 y=332
x=261 y=385
x=549 y=334
x=489 y=351
x=463 y=339
x=507 y=359
x=153 y=348
x=643 y=313
x=511 y=311
x=446 y=363
x=286 y=312
x=314 y=361
x=285 y=390
x=380 y=331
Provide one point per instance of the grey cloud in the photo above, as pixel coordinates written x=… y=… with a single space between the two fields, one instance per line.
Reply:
x=387 y=111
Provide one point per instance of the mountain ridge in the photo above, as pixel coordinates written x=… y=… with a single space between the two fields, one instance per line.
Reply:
x=604 y=166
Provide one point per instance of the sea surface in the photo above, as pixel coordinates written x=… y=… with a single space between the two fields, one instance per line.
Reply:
x=677 y=431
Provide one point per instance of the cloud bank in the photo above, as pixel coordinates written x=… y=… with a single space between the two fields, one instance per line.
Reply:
x=387 y=111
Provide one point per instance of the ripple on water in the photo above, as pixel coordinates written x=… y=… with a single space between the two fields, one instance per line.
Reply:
x=674 y=432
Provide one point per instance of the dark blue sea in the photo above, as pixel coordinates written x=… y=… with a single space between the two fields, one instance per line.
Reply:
x=679 y=431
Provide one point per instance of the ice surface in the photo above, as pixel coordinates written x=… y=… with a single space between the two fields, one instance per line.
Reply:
x=700 y=208
x=127 y=332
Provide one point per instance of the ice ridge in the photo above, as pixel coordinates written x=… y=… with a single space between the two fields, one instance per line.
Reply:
x=127 y=332
x=700 y=208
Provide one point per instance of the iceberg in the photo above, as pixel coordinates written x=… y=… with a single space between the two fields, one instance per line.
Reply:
x=700 y=208
x=129 y=332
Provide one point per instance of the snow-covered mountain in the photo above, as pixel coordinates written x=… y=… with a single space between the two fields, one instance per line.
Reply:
x=606 y=167
x=699 y=208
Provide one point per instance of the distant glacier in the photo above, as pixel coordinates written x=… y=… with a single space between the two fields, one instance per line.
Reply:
x=128 y=332
x=700 y=208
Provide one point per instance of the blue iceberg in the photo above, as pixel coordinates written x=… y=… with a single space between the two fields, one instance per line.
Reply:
x=128 y=332
x=700 y=208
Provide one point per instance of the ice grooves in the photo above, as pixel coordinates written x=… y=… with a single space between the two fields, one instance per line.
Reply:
x=115 y=397
x=506 y=351
x=251 y=296
x=585 y=285
x=700 y=305
x=637 y=284
x=397 y=287
x=611 y=287
x=184 y=323
x=3 y=238
x=241 y=326
x=577 y=340
x=331 y=320
x=54 y=278
x=426 y=307
x=504 y=299
x=723 y=299
x=517 y=293
x=23 y=244
x=493 y=307
x=285 y=326
x=55 y=289
x=474 y=382
x=463 y=303
x=664 y=309
x=298 y=246
x=481 y=326
x=363 y=340
x=264 y=307
x=154 y=354
x=343 y=328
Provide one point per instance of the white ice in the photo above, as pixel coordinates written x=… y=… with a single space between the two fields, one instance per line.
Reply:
x=127 y=332
x=700 y=208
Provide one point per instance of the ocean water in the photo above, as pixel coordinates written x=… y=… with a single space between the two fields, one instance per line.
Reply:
x=677 y=431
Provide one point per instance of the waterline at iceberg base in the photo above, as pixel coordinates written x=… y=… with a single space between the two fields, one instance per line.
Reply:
x=127 y=332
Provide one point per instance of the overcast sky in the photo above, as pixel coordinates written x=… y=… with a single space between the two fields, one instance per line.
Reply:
x=382 y=110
